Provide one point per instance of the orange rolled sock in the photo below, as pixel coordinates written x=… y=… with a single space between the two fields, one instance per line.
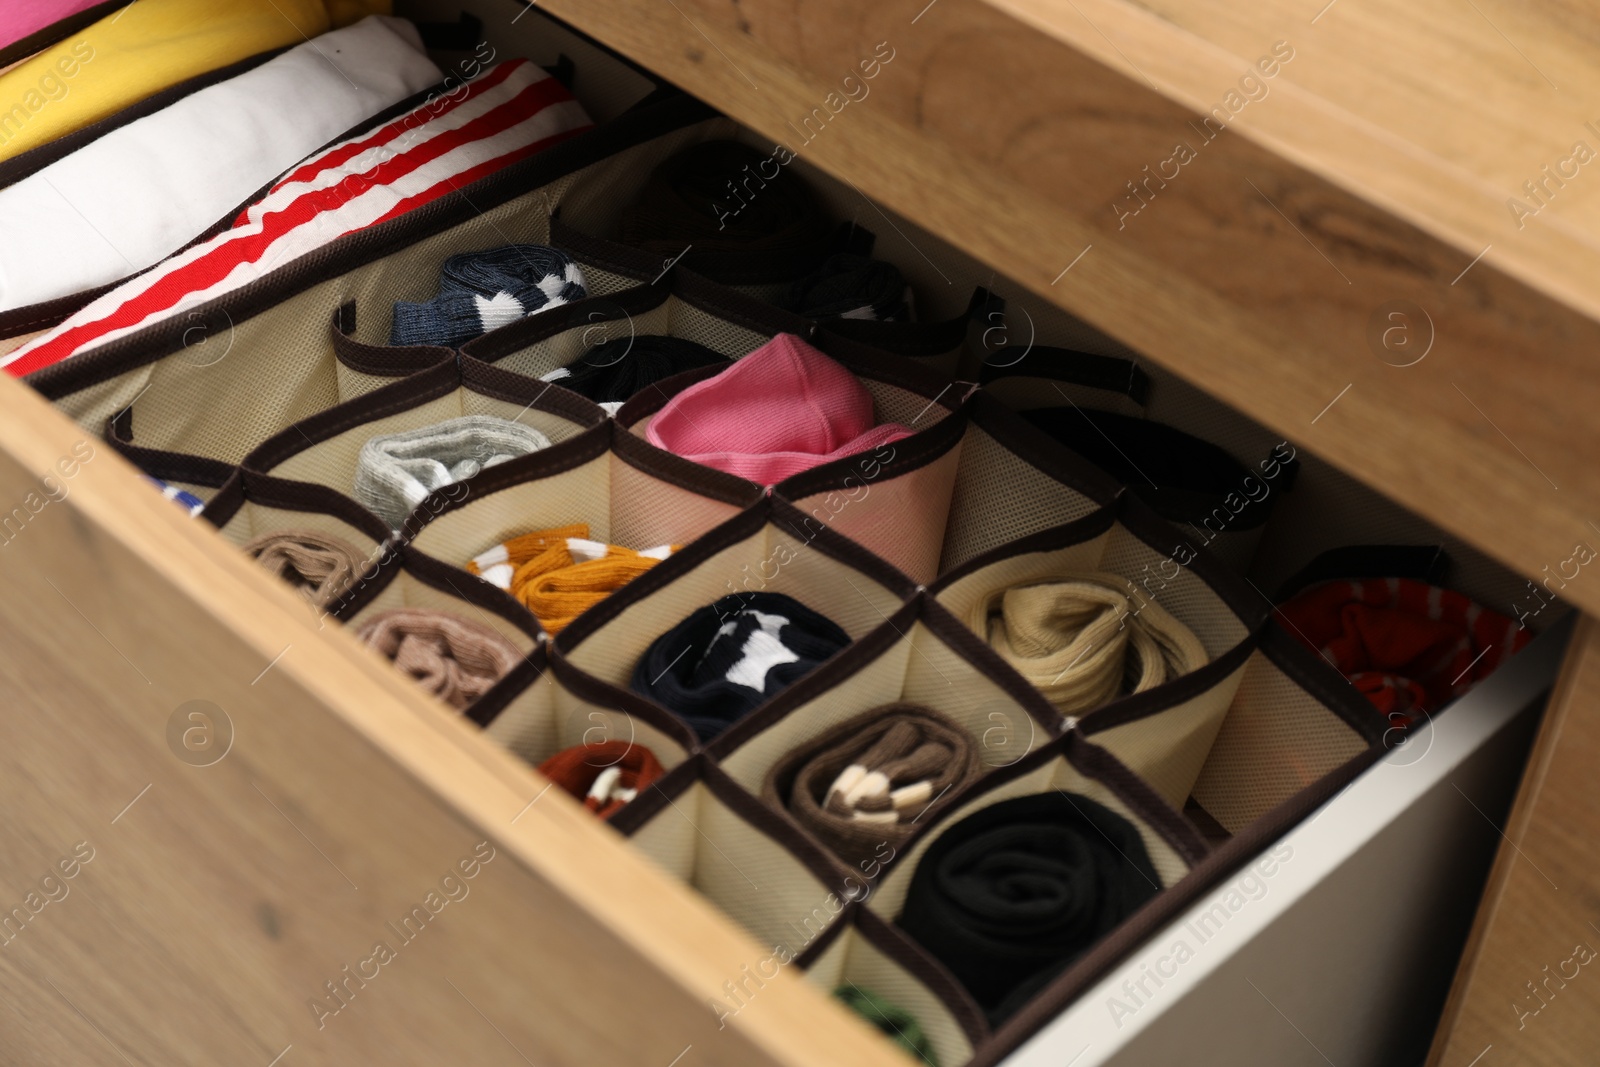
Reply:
x=572 y=576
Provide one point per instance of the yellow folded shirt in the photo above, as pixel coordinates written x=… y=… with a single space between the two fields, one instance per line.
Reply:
x=145 y=48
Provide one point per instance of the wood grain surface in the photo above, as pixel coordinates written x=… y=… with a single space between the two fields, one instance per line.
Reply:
x=1529 y=988
x=1265 y=266
x=157 y=912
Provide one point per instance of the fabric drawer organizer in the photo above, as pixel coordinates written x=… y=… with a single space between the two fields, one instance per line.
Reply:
x=265 y=421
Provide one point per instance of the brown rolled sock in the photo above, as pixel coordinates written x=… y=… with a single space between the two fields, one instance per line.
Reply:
x=872 y=780
x=319 y=565
x=455 y=659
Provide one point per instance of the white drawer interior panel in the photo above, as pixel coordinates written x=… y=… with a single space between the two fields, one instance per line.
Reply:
x=1337 y=945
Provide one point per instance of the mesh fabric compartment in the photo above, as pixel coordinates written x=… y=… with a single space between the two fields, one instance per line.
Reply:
x=676 y=306
x=544 y=717
x=268 y=360
x=627 y=493
x=706 y=832
x=1293 y=722
x=869 y=954
x=405 y=578
x=891 y=499
x=325 y=449
x=920 y=655
x=1013 y=481
x=251 y=505
x=756 y=551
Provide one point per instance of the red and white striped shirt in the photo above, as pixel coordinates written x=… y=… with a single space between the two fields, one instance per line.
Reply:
x=511 y=111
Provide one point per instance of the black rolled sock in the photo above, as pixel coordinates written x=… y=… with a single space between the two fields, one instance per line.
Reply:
x=725 y=659
x=612 y=371
x=848 y=286
x=1010 y=896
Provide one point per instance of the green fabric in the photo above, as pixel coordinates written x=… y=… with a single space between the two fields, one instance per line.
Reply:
x=899 y=1026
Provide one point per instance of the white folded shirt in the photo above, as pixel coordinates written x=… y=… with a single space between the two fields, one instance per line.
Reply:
x=133 y=197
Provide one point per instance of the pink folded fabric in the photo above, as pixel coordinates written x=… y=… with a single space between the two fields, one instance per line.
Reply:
x=23 y=18
x=782 y=409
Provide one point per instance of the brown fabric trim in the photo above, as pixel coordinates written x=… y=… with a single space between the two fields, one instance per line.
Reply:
x=953 y=632
x=914 y=340
x=660 y=464
x=1098 y=763
x=280 y=493
x=1039 y=449
x=575 y=451
x=659 y=796
x=1066 y=535
x=741 y=527
x=730 y=305
x=917 y=963
x=591 y=690
x=653 y=397
x=833 y=876
x=50 y=313
x=1161 y=911
x=57 y=31
x=168 y=466
x=1143 y=522
x=910 y=454
x=489 y=380
x=368 y=245
x=488 y=707
x=447 y=579
x=1105 y=373
x=1165 y=697
x=387 y=361
x=838 y=669
x=905 y=372
x=442 y=379
x=530 y=330
x=1317 y=676
x=609 y=256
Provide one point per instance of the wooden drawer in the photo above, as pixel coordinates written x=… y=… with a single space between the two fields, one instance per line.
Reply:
x=256 y=802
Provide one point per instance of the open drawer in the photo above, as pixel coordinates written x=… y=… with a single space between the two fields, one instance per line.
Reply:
x=283 y=850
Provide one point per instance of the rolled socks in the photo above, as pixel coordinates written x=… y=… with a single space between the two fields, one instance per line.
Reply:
x=1083 y=642
x=480 y=291
x=871 y=780
x=895 y=1023
x=611 y=372
x=1011 y=895
x=849 y=286
x=396 y=472
x=605 y=776
x=319 y=565
x=455 y=659
x=1409 y=647
x=717 y=665
x=780 y=410
x=564 y=576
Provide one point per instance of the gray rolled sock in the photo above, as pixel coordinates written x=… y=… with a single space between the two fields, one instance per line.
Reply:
x=396 y=472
